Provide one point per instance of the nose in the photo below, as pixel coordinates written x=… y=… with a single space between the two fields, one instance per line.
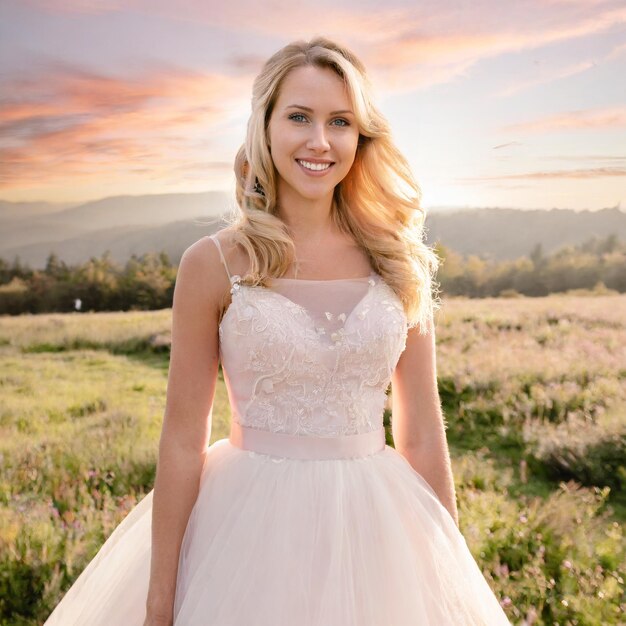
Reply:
x=317 y=140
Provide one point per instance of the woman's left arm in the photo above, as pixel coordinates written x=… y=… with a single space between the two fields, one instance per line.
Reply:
x=417 y=421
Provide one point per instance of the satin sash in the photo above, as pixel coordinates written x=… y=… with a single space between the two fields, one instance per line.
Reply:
x=304 y=446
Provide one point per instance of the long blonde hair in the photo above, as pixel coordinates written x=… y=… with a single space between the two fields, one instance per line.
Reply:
x=377 y=203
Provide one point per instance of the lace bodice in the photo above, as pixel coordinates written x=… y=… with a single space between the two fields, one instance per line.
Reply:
x=311 y=357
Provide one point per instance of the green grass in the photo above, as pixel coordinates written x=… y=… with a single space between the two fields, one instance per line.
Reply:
x=534 y=398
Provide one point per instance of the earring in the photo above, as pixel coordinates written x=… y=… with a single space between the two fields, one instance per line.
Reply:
x=257 y=187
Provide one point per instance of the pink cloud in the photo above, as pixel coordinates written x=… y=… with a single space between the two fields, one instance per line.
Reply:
x=444 y=47
x=94 y=7
x=560 y=73
x=65 y=121
x=406 y=46
x=573 y=120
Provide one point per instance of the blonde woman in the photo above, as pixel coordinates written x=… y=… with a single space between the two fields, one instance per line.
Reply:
x=316 y=298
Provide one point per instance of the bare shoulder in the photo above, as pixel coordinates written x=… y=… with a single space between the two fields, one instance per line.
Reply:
x=234 y=253
x=201 y=279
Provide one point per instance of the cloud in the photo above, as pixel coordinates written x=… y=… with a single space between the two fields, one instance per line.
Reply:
x=573 y=120
x=557 y=74
x=617 y=52
x=580 y=174
x=405 y=45
x=64 y=121
x=551 y=77
x=91 y=7
x=445 y=47
x=586 y=158
x=507 y=145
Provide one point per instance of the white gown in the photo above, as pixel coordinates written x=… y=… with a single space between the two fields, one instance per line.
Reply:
x=305 y=517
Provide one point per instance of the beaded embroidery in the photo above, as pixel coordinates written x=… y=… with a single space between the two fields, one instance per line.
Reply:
x=296 y=380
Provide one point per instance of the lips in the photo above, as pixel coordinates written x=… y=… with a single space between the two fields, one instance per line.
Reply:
x=312 y=160
x=315 y=162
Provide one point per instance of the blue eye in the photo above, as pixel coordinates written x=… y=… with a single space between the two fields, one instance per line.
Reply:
x=294 y=115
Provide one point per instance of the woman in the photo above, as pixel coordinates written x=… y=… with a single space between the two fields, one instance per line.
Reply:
x=316 y=299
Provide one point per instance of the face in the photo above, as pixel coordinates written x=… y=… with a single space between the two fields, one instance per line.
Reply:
x=313 y=134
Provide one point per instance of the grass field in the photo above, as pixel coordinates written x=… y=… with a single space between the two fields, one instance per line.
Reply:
x=534 y=396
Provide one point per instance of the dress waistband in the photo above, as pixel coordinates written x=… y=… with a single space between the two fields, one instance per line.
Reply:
x=304 y=446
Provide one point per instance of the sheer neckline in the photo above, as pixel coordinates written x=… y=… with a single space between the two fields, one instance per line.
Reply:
x=240 y=288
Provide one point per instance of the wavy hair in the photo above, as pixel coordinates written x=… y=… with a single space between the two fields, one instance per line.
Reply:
x=377 y=203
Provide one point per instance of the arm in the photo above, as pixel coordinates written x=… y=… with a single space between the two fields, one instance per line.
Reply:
x=186 y=427
x=417 y=420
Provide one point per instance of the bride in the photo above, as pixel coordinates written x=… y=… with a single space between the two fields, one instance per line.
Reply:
x=314 y=300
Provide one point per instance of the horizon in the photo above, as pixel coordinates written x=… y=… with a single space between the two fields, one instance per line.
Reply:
x=443 y=207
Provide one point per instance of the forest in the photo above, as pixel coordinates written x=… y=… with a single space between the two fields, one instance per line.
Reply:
x=147 y=282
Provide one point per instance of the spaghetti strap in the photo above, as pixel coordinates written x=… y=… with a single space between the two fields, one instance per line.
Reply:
x=219 y=249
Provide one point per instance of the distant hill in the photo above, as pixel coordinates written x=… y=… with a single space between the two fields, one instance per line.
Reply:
x=122 y=242
x=36 y=229
x=15 y=211
x=510 y=233
x=127 y=225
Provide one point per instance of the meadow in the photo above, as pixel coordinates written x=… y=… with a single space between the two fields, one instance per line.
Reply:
x=534 y=398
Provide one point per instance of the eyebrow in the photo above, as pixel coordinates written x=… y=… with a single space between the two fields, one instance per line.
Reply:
x=300 y=106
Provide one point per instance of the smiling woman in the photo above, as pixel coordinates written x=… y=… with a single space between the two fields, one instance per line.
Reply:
x=304 y=515
x=313 y=149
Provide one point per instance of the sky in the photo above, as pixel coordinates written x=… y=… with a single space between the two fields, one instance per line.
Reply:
x=518 y=104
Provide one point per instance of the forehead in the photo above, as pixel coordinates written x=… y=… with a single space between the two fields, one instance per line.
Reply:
x=315 y=87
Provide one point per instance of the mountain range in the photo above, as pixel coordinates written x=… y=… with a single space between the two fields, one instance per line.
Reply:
x=127 y=225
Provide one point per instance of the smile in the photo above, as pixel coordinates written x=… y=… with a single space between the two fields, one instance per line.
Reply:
x=314 y=167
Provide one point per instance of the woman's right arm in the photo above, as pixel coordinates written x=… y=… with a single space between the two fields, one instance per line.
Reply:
x=198 y=292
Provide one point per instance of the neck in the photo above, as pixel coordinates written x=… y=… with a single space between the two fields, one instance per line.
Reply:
x=306 y=219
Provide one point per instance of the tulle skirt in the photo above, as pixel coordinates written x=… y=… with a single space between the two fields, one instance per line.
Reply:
x=291 y=542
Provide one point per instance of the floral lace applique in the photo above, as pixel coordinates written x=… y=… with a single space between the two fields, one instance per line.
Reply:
x=286 y=374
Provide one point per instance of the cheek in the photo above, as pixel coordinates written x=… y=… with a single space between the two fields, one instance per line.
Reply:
x=348 y=148
x=280 y=154
x=276 y=147
x=350 y=141
x=280 y=143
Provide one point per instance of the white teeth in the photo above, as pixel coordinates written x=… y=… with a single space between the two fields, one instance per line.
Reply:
x=317 y=167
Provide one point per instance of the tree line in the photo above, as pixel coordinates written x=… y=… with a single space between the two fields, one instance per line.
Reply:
x=147 y=282
x=598 y=264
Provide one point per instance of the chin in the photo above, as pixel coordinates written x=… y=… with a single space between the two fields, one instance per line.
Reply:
x=315 y=195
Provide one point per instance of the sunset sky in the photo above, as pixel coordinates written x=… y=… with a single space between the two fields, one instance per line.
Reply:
x=512 y=104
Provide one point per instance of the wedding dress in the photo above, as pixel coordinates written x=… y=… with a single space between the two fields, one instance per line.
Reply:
x=304 y=516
